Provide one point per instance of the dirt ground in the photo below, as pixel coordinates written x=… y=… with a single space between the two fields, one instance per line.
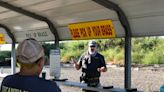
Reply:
x=144 y=79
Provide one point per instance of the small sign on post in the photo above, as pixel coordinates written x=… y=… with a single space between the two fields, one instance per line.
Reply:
x=55 y=68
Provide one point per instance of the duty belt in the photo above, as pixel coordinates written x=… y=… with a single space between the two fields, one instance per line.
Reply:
x=95 y=78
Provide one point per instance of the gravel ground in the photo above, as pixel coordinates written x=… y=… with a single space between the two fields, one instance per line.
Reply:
x=146 y=80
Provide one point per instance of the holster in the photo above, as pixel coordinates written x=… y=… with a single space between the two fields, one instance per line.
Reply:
x=82 y=78
x=93 y=82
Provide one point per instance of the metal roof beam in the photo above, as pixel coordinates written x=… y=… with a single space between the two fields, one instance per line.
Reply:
x=35 y=16
x=124 y=22
x=8 y=31
x=13 y=55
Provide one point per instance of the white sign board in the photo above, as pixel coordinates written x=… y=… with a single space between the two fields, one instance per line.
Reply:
x=55 y=68
x=39 y=35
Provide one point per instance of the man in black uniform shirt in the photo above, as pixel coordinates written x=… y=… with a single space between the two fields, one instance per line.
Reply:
x=92 y=64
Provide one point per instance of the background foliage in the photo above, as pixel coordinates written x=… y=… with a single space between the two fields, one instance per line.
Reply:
x=148 y=50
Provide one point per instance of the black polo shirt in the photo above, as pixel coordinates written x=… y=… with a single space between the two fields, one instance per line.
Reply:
x=90 y=63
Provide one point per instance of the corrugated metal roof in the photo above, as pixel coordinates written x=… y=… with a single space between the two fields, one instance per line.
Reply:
x=146 y=17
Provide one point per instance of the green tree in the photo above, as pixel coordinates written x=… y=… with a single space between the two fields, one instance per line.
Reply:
x=47 y=47
x=4 y=54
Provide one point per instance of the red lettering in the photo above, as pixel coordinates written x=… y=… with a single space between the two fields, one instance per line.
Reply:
x=2 y=39
x=109 y=30
x=75 y=33
x=83 y=32
x=103 y=30
x=96 y=31
x=89 y=31
x=71 y=31
x=106 y=30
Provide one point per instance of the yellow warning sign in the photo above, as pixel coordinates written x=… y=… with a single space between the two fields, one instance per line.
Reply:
x=96 y=29
x=2 y=39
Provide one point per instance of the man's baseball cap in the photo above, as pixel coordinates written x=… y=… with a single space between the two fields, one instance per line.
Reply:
x=92 y=43
x=29 y=51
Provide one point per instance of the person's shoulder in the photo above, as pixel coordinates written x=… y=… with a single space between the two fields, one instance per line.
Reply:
x=47 y=82
x=50 y=82
x=50 y=85
x=100 y=55
x=9 y=77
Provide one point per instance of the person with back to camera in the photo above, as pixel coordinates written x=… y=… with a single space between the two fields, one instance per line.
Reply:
x=30 y=56
x=92 y=64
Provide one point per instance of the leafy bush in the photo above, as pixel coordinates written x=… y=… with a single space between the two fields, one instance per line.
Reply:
x=71 y=54
x=119 y=58
x=137 y=58
x=4 y=54
x=108 y=55
x=114 y=55
x=154 y=57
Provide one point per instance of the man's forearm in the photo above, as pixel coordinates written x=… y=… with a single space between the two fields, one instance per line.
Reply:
x=102 y=69
x=77 y=66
